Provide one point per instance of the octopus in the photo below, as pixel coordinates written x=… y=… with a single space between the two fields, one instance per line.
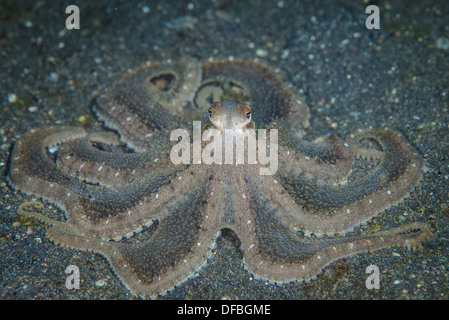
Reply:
x=157 y=222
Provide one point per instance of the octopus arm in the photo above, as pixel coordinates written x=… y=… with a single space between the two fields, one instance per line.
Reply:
x=318 y=207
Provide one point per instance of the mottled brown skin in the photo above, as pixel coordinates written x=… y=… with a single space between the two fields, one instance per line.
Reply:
x=229 y=115
x=111 y=197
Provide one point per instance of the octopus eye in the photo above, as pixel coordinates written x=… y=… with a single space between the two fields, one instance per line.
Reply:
x=248 y=115
x=210 y=112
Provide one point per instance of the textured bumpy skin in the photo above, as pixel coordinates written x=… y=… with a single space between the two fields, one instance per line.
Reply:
x=156 y=222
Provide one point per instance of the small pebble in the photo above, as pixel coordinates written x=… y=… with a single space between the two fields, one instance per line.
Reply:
x=261 y=53
x=81 y=119
x=344 y=42
x=442 y=43
x=101 y=283
x=12 y=98
x=145 y=9
x=285 y=53
x=32 y=108
x=54 y=76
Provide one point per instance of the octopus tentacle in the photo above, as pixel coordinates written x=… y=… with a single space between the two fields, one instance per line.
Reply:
x=321 y=208
x=328 y=159
x=95 y=209
x=274 y=252
x=66 y=227
x=80 y=158
x=158 y=262
x=34 y=172
x=149 y=101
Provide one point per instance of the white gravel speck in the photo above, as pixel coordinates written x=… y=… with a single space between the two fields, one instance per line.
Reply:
x=12 y=98
x=261 y=53
x=442 y=43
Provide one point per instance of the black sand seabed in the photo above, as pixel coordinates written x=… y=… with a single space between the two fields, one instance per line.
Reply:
x=351 y=77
